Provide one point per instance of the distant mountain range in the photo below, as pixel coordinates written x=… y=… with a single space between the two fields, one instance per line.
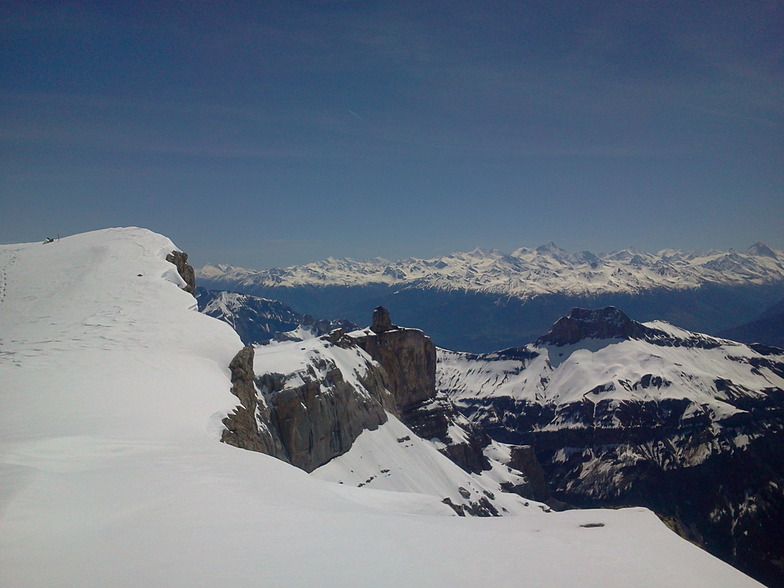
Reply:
x=526 y=273
x=487 y=300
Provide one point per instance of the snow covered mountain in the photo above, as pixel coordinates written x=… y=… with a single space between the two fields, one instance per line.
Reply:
x=526 y=273
x=113 y=395
x=487 y=300
x=337 y=422
x=259 y=320
x=650 y=414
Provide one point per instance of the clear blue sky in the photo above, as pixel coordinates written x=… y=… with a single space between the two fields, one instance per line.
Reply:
x=268 y=133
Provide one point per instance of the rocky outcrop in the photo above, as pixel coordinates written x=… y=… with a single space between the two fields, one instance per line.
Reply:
x=381 y=321
x=250 y=425
x=309 y=417
x=180 y=260
x=408 y=356
x=320 y=419
x=604 y=323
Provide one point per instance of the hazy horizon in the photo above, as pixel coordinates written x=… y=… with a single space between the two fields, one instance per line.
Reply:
x=278 y=133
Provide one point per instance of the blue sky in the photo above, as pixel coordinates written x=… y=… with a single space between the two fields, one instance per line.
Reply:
x=273 y=133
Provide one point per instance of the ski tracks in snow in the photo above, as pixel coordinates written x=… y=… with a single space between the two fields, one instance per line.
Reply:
x=7 y=260
x=4 y=266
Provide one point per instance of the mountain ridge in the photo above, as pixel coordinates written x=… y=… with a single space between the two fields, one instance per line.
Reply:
x=526 y=273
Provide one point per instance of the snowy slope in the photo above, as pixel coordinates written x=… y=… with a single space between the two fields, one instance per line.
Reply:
x=112 y=390
x=526 y=273
x=255 y=319
x=711 y=374
x=391 y=457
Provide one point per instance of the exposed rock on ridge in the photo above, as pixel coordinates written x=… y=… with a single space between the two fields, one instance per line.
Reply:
x=604 y=323
x=180 y=260
x=306 y=424
x=408 y=357
x=381 y=321
x=610 y=323
x=251 y=425
x=320 y=419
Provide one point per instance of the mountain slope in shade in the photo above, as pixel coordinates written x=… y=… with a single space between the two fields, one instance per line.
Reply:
x=625 y=413
x=768 y=329
x=112 y=394
x=259 y=320
x=526 y=273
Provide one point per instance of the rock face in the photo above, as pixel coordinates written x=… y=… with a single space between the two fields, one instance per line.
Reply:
x=381 y=321
x=180 y=260
x=408 y=357
x=251 y=425
x=604 y=323
x=307 y=417
x=321 y=418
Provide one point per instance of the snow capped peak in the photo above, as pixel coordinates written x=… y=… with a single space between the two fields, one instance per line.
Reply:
x=526 y=273
x=552 y=249
x=604 y=323
x=761 y=250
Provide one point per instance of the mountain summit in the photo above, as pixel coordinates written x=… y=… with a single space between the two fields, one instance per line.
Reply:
x=605 y=323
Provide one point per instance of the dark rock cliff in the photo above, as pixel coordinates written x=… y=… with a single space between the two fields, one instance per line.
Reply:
x=321 y=419
x=307 y=424
x=604 y=323
x=250 y=425
x=408 y=356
